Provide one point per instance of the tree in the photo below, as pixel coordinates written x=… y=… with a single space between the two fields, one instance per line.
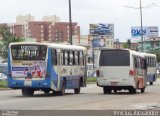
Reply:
x=7 y=38
x=127 y=44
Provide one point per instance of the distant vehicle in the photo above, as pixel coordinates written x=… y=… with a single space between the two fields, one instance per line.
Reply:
x=121 y=69
x=151 y=67
x=34 y=66
x=3 y=67
x=90 y=70
x=3 y=76
x=158 y=71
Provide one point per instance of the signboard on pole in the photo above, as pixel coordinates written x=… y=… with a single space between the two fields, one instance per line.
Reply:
x=102 y=29
x=147 y=31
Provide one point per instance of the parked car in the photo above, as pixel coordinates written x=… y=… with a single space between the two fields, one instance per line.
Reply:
x=3 y=76
x=3 y=67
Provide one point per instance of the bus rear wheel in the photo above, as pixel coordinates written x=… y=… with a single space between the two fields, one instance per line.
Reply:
x=106 y=90
x=133 y=91
x=151 y=83
x=27 y=92
x=62 y=92
x=77 y=90
x=142 y=90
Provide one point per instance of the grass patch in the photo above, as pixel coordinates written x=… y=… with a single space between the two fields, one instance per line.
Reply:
x=158 y=76
x=91 y=79
x=3 y=84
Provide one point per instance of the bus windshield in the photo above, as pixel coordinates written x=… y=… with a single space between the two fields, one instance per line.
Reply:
x=114 y=58
x=28 y=52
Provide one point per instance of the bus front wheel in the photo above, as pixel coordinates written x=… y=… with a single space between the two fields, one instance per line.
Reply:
x=27 y=92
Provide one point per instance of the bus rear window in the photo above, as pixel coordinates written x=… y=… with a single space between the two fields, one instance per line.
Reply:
x=28 y=52
x=114 y=58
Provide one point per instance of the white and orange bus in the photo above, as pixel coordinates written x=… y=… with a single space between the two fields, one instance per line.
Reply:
x=121 y=69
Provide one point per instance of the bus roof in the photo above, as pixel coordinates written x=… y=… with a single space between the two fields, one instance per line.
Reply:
x=51 y=45
x=122 y=49
x=149 y=54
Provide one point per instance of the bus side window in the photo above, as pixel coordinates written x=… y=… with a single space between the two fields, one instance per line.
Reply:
x=81 y=58
x=70 y=58
x=135 y=62
x=76 y=57
x=65 y=57
x=73 y=58
x=54 y=56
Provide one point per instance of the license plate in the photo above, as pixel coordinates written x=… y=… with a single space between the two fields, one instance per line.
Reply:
x=28 y=83
x=114 y=83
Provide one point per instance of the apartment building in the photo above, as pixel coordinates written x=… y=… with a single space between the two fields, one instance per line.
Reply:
x=59 y=32
x=52 y=19
x=50 y=29
x=39 y=30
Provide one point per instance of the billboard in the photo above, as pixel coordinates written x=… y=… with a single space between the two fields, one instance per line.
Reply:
x=98 y=42
x=147 y=31
x=102 y=29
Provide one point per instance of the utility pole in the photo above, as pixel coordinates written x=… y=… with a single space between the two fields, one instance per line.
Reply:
x=141 y=25
x=70 y=23
x=141 y=21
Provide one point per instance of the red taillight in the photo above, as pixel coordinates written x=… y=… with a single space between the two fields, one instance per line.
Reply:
x=131 y=72
x=97 y=73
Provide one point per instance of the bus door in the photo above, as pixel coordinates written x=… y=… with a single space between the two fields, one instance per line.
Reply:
x=58 y=68
x=56 y=64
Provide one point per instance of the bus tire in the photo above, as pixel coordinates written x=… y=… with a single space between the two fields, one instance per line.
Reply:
x=133 y=91
x=27 y=92
x=62 y=92
x=106 y=90
x=142 y=90
x=115 y=90
x=77 y=90
x=46 y=92
x=151 y=83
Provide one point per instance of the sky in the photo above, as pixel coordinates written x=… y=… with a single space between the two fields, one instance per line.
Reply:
x=85 y=12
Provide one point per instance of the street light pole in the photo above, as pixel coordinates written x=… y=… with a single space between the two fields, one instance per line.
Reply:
x=70 y=23
x=141 y=25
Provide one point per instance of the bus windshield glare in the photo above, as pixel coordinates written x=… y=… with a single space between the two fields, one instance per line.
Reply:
x=28 y=52
x=114 y=58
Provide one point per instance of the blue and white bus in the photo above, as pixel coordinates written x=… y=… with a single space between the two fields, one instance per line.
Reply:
x=151 y=67
x=47 y=67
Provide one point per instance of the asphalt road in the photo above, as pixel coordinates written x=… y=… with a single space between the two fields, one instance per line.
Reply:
x=91 y=98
